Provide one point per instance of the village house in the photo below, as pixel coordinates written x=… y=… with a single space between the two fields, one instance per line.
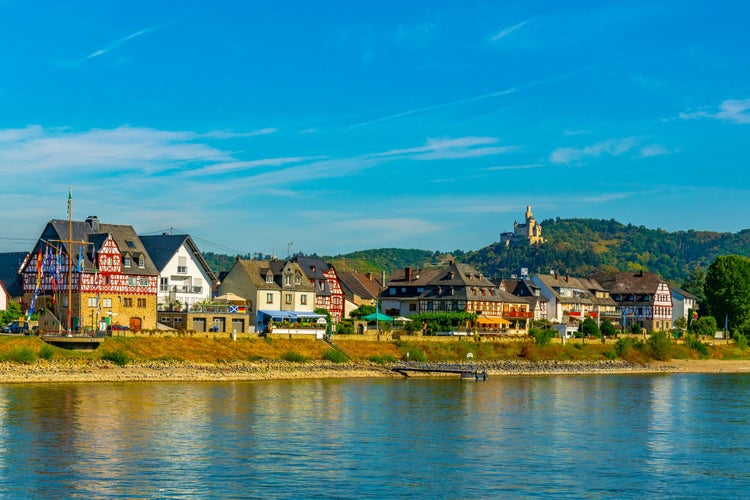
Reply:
x=524 y=287
x=359 y=289
x=11 y=282
x=274 y=292
x=573 y=299
x=328 y=293
x=683 y=303
x=641 y=298
x=184 y=275
x=89 y=276
x=460 y=287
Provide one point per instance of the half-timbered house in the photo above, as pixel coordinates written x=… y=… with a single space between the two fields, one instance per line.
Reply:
x=89 y=276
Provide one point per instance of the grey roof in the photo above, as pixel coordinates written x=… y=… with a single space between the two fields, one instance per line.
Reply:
x=10 y=264
x=161 y=248
x=683 y=293
x=629 y=282
x=93 y=234
x=354 y=283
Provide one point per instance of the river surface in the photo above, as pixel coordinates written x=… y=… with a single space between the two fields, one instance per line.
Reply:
x=597 y=436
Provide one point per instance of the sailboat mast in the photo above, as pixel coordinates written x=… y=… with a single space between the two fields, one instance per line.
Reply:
x=70 y=259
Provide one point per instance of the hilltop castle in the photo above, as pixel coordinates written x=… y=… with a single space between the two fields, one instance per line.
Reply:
x=527 y=233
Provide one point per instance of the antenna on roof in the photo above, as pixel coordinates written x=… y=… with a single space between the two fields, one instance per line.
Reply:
x=289 y=249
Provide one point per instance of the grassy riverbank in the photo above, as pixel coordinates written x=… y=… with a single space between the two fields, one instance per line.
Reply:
x=29 y=359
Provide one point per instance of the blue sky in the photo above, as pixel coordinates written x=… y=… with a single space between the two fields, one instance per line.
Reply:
x=327 y=127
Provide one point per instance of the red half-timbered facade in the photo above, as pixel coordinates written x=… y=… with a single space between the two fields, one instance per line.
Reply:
x=89 y=277
x=328 y=292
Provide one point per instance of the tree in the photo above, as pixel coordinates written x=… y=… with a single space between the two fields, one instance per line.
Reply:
x=12 y=313
x=589 y=328
x=727 y=289
x=680 y=324
x=362 y=310
x=607 y=328
x=695 y=284
x=705 y=325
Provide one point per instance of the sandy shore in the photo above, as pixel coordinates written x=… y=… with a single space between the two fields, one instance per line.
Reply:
x=102 y=371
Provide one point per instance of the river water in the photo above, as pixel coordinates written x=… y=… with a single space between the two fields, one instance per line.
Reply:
x=597 y=436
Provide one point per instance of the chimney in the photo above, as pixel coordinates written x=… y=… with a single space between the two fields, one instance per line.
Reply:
x=93 y=222
x=407 y=273
x=640 y=273
x=369 y=276
x=567 y=278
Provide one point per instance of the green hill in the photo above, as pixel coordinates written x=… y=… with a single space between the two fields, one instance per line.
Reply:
x=581 y=246
x=575 y=246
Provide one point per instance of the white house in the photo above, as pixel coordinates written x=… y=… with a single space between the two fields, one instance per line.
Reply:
x=682 y=303
x=184 y=275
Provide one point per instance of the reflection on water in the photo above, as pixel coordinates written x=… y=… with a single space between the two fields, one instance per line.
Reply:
x=557 y=436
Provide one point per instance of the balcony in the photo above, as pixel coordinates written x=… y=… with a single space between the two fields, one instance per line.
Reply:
x=518 y=314
x=181 y=289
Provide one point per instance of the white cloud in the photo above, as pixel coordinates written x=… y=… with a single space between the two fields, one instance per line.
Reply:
x=731 y=110
x=449 y=148
x=653 y=150
x=507 y=31
x=611 y=147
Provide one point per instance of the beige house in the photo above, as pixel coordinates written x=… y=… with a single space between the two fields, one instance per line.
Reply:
x=273 y=290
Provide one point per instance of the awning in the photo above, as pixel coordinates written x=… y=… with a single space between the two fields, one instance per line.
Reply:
x=289 y=315
x=484 y=320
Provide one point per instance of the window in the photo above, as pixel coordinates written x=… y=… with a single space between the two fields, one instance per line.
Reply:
x=127 y=302
x=142 y=303
x=392 y=291
x=297 y=279
x=269 y=298
x=92 y=301
x=143 y=281
x=107 y=303
x=131 y=280
x=288 y=298
x=303 y=299
x=130 y=244
x=163 y=284
x=412 y=307
x=322 y=285
x=126 y=261
x=269 y=277
x=288 y=280
x=141 y=262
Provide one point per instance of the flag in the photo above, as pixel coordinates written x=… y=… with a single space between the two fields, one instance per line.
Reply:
x=70 y=201
x=39 y=260
x=79 y=267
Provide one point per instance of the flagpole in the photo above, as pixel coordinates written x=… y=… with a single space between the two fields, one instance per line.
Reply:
x=70 y=259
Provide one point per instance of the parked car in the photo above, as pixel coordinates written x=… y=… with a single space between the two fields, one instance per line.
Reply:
x=120 y=327
x=16 y=327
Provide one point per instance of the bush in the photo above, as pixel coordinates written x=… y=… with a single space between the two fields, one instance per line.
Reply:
x=46 y=352
x=335 y=356
x=23 y=355
x=118 y=358
x=626 y=344
x=610 y=354
x=660 y=346
x=693 y=343
x=415 y=354
x=741 y=341
x=541 y=337
x=293 y=357
x=385 y=358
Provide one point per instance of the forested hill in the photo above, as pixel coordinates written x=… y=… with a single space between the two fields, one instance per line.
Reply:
x=580 y=246
x=575 y=246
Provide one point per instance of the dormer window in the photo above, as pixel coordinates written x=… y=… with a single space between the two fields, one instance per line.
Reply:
x=269 y=277
x=297 y=279
x=126 y=261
